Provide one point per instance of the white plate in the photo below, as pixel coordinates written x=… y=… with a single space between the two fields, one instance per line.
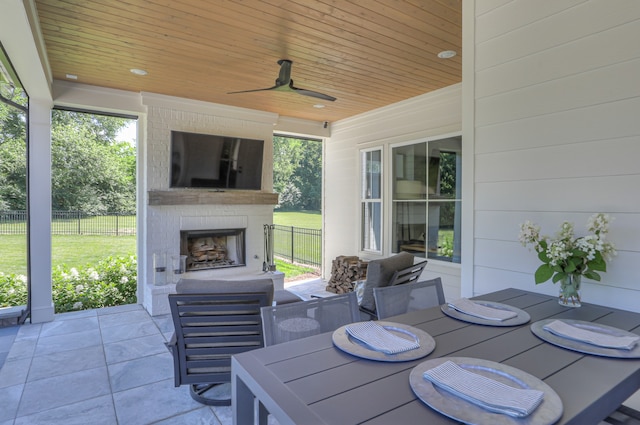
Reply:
x=583 y=347
x=351 y=345
x=522 y=317
x=454 y=407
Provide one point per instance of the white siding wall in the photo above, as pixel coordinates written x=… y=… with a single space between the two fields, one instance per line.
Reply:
x=556 y=135
x=426 y=116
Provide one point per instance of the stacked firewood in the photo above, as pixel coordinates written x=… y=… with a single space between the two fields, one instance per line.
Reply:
x=346 y=270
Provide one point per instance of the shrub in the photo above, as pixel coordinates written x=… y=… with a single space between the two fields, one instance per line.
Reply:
x=13 y=289
x=111 y=282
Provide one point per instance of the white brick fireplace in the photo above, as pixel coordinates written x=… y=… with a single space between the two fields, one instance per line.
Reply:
x=169 y=211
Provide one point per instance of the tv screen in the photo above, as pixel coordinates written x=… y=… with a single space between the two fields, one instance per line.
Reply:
x=210 y=161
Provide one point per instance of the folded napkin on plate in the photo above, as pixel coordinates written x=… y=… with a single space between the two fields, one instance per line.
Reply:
x=566 y=330
x=380 y=339
x=484 y=392
x=471 y=308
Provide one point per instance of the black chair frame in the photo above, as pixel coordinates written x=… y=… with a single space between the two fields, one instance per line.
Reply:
x=209 y=329
x=410 y=274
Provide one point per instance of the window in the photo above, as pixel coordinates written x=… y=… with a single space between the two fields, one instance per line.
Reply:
x=371 y=200
x=427 y=199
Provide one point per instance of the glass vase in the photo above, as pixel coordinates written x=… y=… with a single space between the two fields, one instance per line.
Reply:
x=570 y=290
x=178 y=267
x=159 y=268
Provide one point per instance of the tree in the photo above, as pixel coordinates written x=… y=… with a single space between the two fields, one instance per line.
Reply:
x=297 y=171
x=12 y=124
x=309 y=176
x=13 y=181
x=91 y=171
x=13 y=158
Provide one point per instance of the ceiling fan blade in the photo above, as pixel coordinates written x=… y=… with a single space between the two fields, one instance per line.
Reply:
x=285 y=83
x=312 y=93
x=249 y=91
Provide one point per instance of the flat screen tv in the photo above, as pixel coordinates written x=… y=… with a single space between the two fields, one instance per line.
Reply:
x=219 y=162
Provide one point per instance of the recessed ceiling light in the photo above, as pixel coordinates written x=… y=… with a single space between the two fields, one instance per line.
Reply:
x=71 y=76
x=447 y=54
x=138 y=71
x=318 y=105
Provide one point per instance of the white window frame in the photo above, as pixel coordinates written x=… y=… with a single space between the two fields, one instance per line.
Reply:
x=390 y=207
x=364 y=200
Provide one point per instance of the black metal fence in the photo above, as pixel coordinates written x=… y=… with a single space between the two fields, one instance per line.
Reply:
x=294 y=244
x=73 y=223
x=298 y=245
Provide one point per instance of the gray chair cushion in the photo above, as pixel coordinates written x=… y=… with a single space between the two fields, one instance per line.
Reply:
x=217 y=286
x=282 y=296
x=379 y=274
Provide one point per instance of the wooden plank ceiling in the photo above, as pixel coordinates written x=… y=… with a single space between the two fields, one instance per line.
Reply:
x=366 y=53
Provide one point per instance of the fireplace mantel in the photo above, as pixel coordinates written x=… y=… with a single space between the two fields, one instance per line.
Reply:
x=209 y=197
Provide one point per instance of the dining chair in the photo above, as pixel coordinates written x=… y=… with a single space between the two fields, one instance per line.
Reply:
x=213 y=320
x=399 y=299
x=408 y=275
x=623 y=415
x=287 y=322
x=380 y=273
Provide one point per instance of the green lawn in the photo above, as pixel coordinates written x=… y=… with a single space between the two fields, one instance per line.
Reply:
x=293 y=270
x=13 y=254
x=304 y=219
x=72 y=250
x=83 y=250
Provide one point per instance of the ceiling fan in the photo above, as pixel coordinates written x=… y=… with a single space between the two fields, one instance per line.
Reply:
x=285 y=83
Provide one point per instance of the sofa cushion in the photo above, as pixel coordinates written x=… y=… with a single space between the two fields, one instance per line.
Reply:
x=217 y=286
x=379 y=274
x=282 y=296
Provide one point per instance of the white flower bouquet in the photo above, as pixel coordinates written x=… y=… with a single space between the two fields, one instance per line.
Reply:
x=568 y=257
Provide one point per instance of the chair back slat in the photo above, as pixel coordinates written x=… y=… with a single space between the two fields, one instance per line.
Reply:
x=407 y=275
x=399 y=299
x=210 y=328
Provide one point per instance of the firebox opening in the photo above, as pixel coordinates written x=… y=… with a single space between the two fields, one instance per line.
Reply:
x=212 y=249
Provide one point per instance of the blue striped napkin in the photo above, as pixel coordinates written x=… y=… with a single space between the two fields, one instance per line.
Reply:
x=566 y=330
x=484 y=392
x=380 y=339
x=466 y=306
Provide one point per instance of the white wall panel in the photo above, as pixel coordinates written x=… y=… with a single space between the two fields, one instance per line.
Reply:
x=594 y=158
x=556 y=136
x=615 y=45
x=614 y=194
x=607 y=84
x=597 y=122
x=487 y=6
x=534 y=36
x=490 y=279
x=506 y=16
x=505 y=226
x=622 y=270
x=490 y=252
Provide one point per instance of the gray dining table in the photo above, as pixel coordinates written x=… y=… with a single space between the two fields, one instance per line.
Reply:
x=309 y=381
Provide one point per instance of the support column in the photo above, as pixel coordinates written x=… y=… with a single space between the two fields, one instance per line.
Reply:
x=39 y=152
